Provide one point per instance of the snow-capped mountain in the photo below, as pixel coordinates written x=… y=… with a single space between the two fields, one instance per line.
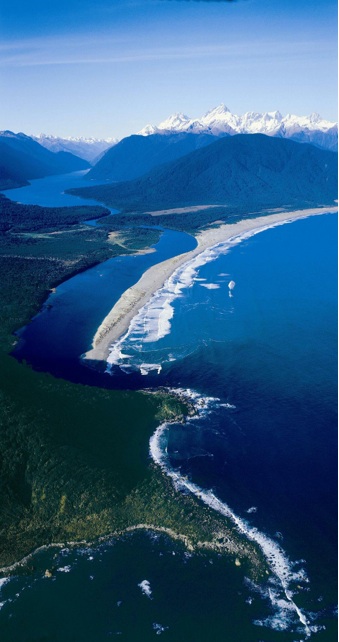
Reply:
x=23 y=159
x=220 y=121
x=87 y=148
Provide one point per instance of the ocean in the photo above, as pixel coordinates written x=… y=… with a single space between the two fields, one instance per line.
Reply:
x=259 y=360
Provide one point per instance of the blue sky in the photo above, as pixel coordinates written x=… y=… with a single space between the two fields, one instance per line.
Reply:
x=108 y=68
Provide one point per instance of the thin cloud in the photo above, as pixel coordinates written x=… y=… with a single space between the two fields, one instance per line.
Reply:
x=73 y=56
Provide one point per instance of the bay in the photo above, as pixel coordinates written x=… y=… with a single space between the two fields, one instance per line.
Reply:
x=267 y=447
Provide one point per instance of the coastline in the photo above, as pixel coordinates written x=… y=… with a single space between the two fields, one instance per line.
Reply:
x=117 y=322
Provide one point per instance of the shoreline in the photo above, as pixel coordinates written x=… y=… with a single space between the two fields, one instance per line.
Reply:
x=117 y=322
x=213 y=545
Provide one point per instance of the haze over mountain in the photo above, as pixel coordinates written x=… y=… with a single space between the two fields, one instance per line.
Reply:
x=304 y=129
x=242 y=170
x=136 y=155
x=22 y=158
x=88 y=148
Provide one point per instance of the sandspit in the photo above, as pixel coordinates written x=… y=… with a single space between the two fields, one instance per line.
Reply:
x=117 y=321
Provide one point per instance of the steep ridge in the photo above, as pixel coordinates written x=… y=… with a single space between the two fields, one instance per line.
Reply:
x=243 y=170
x=22 y=159
x=137 y=155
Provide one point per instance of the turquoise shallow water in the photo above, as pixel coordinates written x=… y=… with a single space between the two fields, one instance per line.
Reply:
x=266 y=448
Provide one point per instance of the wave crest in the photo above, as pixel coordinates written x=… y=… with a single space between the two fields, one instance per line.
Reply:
x=280 y=590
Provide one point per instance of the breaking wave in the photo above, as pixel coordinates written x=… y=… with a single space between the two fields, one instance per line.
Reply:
x=281 y=585
x=153 y=321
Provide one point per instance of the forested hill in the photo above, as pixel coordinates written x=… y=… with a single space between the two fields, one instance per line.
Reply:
x=137 y=155
x=22 y=159
x=245 y=170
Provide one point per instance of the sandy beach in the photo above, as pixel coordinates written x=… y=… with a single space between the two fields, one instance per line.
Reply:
x=116 y=323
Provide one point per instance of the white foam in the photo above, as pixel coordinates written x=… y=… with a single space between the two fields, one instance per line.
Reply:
x=146 y=588
x=3 y=581
x=153 y=321
x=145 y=368
x=159 y=628
x=64 y=569
x=201 y=403
x=210 y=286
x=281 y=596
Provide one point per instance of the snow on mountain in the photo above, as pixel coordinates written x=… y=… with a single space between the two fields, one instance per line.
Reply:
x=220 y=121
x=87 y=148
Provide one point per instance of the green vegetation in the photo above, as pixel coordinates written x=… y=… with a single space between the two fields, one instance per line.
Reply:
x=74 y=460
x=147 y=153
x=246 y=173
x=130 y=238
x=189 y=221
x=38 y=251
x=16 y=217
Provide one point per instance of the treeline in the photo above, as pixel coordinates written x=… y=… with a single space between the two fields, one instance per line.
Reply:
x=188 y=221
x=247 y=171
x=16 y=217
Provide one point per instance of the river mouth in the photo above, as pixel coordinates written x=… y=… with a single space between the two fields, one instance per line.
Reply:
x=63 y=330
x=263 y=446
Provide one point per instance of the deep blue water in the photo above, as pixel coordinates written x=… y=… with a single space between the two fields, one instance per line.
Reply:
x=50 y=192
x=64 y=329
x=270 y=353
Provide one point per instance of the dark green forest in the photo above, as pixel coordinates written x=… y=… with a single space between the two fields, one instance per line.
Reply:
x=243 y=173
x=74 y=461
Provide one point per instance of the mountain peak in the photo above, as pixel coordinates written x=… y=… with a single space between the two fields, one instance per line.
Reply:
x=220 y=121
x=315 y=118
x=276 y=115
x=220 y=110
x=86 y=148
x=175 y=121
x=9 y=134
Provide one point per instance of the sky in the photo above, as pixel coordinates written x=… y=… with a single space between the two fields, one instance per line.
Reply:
x=106 y=68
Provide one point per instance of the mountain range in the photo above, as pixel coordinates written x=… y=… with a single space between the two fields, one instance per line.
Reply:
x=22 y=158
x=91 y=149
x=219 y=121
x=137 y=155
x=237 y=171
x=216 y=122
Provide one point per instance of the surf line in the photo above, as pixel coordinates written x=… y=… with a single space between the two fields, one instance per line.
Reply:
x=276 y=558
x=152 y=321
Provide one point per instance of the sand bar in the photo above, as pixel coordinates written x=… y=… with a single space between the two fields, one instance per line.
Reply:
x=117 y=321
